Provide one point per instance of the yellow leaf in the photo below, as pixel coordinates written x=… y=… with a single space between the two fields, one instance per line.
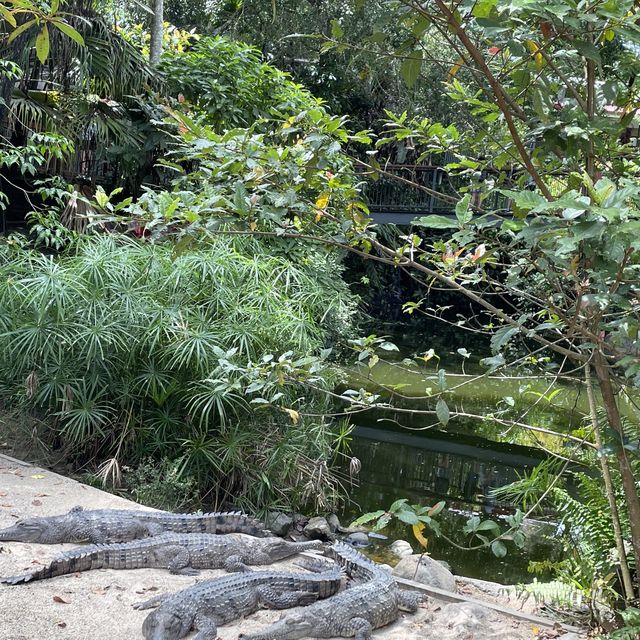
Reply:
x=609 y=35
x=417 y=532
x=37 y=476
x=535 y=50
x=323 y=200
x=293 y=414
x=456 y=67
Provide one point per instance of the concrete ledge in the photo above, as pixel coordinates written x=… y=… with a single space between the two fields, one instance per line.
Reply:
x=96 y=605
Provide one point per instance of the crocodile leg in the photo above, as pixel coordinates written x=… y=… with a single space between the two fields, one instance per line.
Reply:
x=361 y=627
x=235 y=564
x=180 y=559
x=273 y=600
x=156 y=601
x=410 y=600
x=206 y=627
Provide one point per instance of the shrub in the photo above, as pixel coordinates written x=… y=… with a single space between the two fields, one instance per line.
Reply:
x=133 y=349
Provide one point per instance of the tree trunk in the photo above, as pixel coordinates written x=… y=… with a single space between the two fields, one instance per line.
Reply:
x=611 y=497
x=626 y=473
x=157 y=31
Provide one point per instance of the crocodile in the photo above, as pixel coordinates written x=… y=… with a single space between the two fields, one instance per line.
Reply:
x=180 y=553
x=103 y=526
x=211 y=603
x=374 y=600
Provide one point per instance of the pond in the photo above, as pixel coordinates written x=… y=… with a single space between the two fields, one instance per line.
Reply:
x=405 y=455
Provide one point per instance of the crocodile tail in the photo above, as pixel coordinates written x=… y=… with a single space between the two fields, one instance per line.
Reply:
x=81 y=560
x=355 y=564
x=215 y=522
x=237 y=522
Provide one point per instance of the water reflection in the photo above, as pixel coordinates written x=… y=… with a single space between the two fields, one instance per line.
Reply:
x=455 y=468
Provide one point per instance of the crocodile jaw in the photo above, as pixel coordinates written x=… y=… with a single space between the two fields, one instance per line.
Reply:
x=31 y=530
x=160 y=625
x=281 y=549
x=290 y=627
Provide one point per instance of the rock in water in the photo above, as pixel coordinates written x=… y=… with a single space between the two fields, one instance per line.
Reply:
x=401 y=548
x=334 y=523
x=424 y=569
x=357 y=539
x=318 y=529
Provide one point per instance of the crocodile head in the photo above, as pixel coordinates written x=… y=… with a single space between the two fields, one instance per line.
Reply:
x=163 y=625
x=28 y=530
x=278 y=549
x=291 y=627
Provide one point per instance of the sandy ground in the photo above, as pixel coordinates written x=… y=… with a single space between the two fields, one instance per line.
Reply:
x=96 y=605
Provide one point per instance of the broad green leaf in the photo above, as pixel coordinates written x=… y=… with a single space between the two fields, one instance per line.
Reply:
x=494 y=362
x=410 y=68
x=525 y=200
x=489 y=525
x=407 y=516
x=42 y=44
x=8 y=16
x=21 y=29
x=442 y=411
x=502 y=337
x=436 y=222
x=69 y=31
x=483 y=8
x=398 y=505
x=499 y=549
x=462 y=210
x=367 y=517
x=383 y=521
x=588 y=50
x=336 y=30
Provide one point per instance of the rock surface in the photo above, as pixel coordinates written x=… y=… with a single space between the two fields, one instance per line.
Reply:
x=318 y=529
x=424 y=569
x=279 y=523
x=401 y=548
x=334 y=523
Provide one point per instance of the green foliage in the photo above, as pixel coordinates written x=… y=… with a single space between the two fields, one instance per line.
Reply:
x=131 y=349
x=631 y=628
x=485 y=532
x=230 y=84
x=160 y=484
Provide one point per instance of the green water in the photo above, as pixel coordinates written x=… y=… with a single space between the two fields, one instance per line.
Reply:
x=409 y=455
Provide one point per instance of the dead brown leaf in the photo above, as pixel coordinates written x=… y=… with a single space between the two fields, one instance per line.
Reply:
x=60 y=600
x=36 y=503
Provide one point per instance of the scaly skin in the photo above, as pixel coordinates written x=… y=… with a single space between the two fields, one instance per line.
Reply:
x=209 y=604
x=182 y=553
x=104 y=526
x=374 y=601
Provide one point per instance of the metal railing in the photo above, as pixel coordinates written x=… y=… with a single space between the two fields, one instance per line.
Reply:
x=404 y=188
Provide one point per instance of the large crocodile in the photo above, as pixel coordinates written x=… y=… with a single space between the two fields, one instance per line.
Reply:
x=372 y=602
x=182 y=553
x=208 y=604
x=103 y=526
